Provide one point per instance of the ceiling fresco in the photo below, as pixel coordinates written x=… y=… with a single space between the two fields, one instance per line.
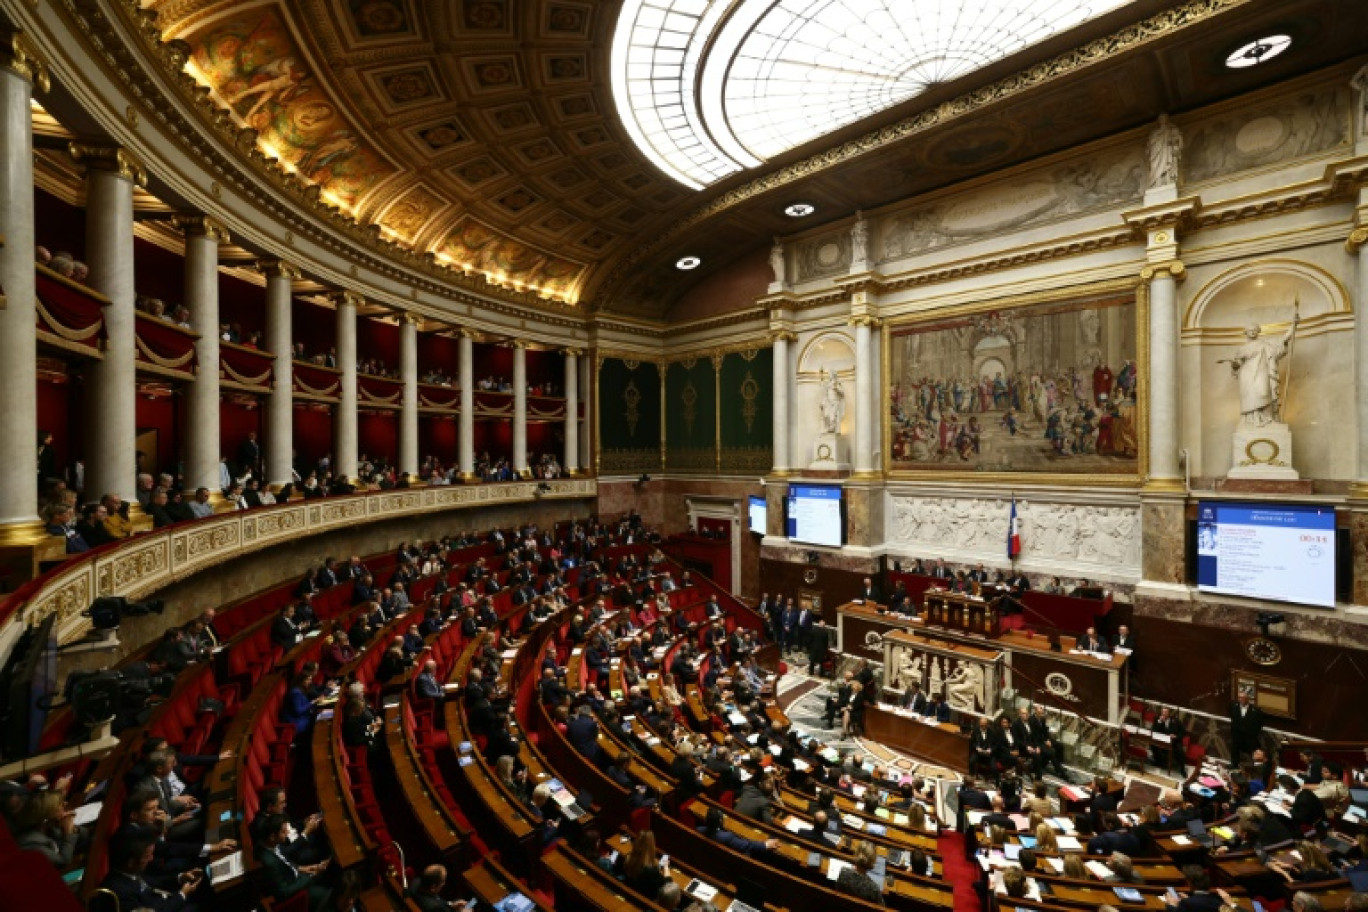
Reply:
x=484 y=132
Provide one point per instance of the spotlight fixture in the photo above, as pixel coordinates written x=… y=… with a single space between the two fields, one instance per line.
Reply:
x=688 y=262
x=799 y=210
x=1258 y=51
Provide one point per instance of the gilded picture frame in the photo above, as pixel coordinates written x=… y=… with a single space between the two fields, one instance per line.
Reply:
x=1064 y=430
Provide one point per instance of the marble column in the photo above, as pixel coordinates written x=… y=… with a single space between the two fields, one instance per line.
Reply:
x=572 y=411
x=408 y=414
x=586 y=437
x=280 y=402
x=111 y=387
x=202 y=451
x=344 y=423
x=1163 y=380
x=780 y=436
x=1357 y=246
x=863 y=457
x=519 y=409
x=19 y=70
x=466 y=431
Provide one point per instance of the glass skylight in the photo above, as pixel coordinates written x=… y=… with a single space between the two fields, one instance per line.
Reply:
x=711 y=87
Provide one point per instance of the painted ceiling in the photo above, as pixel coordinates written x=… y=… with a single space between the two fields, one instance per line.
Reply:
x=484 y=131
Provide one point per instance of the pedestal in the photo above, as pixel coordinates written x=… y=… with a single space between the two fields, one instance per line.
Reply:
x=1262 y=452
x=830 y=453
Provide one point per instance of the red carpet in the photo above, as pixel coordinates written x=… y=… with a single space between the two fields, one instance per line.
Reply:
x=959 y=871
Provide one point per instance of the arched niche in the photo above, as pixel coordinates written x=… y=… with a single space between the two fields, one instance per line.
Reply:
x=826 y=351
x=1320 y=371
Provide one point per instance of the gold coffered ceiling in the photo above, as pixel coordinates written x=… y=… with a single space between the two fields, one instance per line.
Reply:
x=473 y=130
x=483 y=131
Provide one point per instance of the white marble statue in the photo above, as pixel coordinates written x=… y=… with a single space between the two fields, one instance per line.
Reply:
x=833 y=403
x=964 y=687
x=1255 y=367
x=1164 y=148
x=777 y=261
x=859 y=240
x=1360 y=85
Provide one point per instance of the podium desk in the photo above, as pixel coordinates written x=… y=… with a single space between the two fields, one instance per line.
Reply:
x=941 y=744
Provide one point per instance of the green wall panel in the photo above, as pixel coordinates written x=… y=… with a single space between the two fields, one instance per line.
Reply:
x=629 y=416
x=747 y=398
x=691 y=416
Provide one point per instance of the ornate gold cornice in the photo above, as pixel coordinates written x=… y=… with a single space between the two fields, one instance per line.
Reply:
x=272 y=268
x=1094 y=53
x=111 y=159
x=18 y=55
x=1174 y=268
x=1357 y=239
x=196 y=225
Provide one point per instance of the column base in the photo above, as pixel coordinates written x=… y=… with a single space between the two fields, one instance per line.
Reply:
x=469 y=478
x=1165 y=486
x=26 y=532
x=137 y=518
x=1358 y=490
x=23 y=556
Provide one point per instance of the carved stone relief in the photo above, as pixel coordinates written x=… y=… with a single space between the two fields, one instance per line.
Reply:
x=1291 y=128
x=823 y=256
x=1107 y=537
x=1078 y=187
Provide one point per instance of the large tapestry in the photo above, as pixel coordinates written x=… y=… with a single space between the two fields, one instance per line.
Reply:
x=1040 y=389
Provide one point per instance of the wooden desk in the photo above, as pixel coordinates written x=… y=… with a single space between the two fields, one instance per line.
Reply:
x=941 y=744
x=1090 y=686
x=491 y=882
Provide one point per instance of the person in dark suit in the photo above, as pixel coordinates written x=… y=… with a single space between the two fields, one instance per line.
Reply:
x=426 y=892
x=248 y=455
x=1167 y=756
x=869 y=592
x=1040 y=731
x=1091 y=642
x=937 y=708
x=997 y=816
x=426 y=685
x=983 y=749
x=1246 y=726
x=940 y=571
x=1308 y=810
x=582 y=730
x=914 y=699
x=713 y=828
x=1199 y=898
x=286 y=632
x=281 y=878
x=1018 y=584
x=1125 y=640
x=129 y=858
x=1026 y=747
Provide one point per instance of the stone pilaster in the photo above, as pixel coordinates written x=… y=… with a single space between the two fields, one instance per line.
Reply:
x=280 y=402
x=520 y=409
x=202 y=431
x=408 y=413
x=465 y=442
x=345 y=437
x=572 y=449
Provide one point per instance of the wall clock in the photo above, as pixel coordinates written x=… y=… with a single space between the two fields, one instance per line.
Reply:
x=1263 y=651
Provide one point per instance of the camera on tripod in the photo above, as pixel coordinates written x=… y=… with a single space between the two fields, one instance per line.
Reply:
x=107 y=611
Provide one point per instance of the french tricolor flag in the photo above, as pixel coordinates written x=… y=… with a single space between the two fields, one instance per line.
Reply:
x=1013 y=533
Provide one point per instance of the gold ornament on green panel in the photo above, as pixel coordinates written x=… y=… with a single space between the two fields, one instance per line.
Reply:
x=750 y=391
x=632 y=396
x=689 y=396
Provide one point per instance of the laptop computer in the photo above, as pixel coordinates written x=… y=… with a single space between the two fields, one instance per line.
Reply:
x=1198 y=832
x=1359 y=796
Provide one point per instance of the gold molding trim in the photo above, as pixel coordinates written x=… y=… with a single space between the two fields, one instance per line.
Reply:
x=1174 y=268
x=19 y=56
x=111 y=159
x=347 y=298
x=197 y=225
x=273 y=268
x=1356 y=240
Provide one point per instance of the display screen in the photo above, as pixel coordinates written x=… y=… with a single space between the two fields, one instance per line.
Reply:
x=757 y=512
x=1267 y=551
x=814 y=515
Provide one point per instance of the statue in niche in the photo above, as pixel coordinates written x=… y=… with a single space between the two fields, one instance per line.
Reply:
x=1164 y=148
x=859 y=239
x=1255 y=368
x=777 y=260
x=1360 y=84
x=833 y=403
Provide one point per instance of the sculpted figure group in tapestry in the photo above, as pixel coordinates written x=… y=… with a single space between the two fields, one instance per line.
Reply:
x=1042 y=390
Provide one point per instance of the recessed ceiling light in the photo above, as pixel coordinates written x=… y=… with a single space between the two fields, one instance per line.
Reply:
x=798 y=210
x=1259 y=51
x=688 y=262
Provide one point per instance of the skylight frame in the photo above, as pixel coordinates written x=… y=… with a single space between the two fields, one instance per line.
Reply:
x=755 y=81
